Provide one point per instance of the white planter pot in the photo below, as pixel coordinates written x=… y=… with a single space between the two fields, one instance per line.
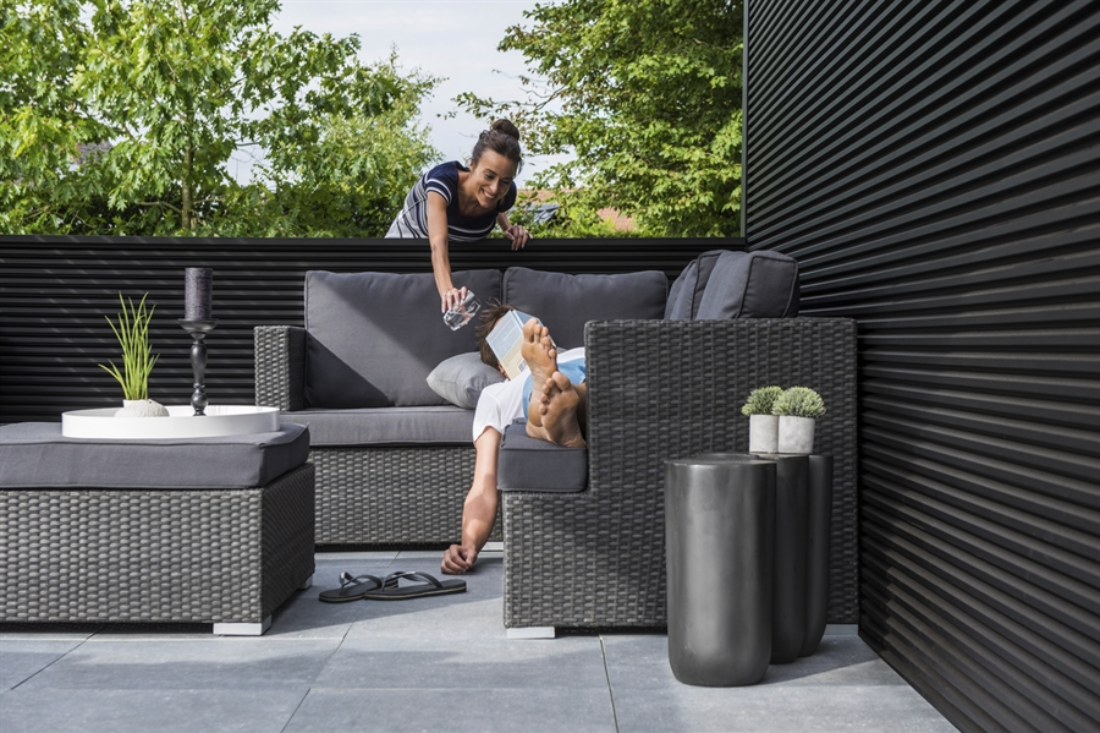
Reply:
x=796 y=435
x=142 y=408
x=763 y=433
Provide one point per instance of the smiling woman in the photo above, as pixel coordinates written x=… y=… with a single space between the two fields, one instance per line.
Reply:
x=453 y=202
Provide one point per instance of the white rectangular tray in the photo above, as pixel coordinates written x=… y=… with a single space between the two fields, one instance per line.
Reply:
x=180 y=423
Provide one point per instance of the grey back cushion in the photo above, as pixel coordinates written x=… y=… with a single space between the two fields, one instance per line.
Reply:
x=687 y=290
x=374 y=337
x=460 y=379
x=564 y=303
x=751 y=285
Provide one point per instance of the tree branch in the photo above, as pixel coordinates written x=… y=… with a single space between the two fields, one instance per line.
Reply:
x=159 y=203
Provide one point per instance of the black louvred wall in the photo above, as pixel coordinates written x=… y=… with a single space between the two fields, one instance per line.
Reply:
x=935 y=168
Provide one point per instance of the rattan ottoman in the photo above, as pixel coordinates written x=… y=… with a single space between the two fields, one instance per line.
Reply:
x=212 y=530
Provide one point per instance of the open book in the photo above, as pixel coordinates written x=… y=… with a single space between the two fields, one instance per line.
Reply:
x=506 y=339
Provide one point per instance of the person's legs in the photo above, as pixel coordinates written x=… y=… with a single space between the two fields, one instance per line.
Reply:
x=561 y=403
x=542 y=361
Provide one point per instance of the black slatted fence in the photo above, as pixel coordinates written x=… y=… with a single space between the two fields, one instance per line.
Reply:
x=55 y=292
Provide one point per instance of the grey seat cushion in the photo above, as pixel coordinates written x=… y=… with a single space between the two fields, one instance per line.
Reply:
x=460 y=379
x=564 y=303
x=687 y=290
x=36 y=456
x=435 y=424
x=751 y=285
x=373 y=338
x=527 y=464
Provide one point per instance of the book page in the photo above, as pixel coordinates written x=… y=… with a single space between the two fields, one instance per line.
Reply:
x=506 y=340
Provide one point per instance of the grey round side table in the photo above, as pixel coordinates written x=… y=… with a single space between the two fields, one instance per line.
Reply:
x=789 y=583
x=803 y=519
x=719 y=527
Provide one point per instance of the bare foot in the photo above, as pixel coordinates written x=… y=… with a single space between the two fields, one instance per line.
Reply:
x=542 y=361
x=560 y=419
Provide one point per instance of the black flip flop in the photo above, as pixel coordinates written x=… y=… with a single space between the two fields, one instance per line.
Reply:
x=354 y=588
x=430 y=587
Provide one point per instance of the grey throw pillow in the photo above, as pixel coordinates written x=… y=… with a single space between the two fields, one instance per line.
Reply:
x=751 y=285
x=460 y=379
x=564 y=303
x=687 y=291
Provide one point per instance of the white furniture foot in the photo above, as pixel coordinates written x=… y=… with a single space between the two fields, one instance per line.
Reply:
x=306 y=584
x=243 y=629
x=531 y=632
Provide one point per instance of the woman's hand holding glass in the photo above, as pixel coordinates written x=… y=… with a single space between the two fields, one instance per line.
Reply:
x=452 y=298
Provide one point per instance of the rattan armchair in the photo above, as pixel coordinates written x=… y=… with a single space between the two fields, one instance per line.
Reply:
x=659 y=390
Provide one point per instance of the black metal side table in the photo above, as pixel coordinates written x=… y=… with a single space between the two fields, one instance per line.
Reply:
x=719 y=529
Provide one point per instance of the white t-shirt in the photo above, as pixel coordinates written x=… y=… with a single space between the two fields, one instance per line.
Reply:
x=500 y=404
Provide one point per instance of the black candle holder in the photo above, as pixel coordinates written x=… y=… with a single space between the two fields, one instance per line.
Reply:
x=198 y=331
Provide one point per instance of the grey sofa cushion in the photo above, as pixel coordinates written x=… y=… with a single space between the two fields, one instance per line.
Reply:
x=564 y=303
x=374 y=337
x=751 y=285
x=527 y=464
x=36 y=455
x=433 y=425
x=687 y=290
x=460 y=379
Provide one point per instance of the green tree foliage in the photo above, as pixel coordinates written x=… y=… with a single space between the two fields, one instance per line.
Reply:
x=647 y=94
x=120 y=117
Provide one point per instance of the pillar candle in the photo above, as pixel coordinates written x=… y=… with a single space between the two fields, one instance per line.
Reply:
x=198 y=294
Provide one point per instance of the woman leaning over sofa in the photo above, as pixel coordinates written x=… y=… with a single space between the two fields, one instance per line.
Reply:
x=452 y=202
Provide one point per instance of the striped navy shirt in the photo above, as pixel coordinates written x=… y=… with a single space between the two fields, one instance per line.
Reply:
x=412 y=221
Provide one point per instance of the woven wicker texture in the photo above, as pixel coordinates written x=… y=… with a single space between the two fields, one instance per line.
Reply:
x=280 y=366
x=155 y=556
x=392 y=496
x=660 y=390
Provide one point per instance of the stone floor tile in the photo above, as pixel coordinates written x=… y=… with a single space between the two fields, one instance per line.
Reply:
x=777 y=709
x=207 y=664
x=641 y=662
x=147 y=711
x=21 y=659
x=552 y=710
x=430 y=663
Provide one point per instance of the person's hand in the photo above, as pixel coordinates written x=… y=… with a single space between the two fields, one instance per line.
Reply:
x=458 y=559
x=451 y=298
x=518 y=236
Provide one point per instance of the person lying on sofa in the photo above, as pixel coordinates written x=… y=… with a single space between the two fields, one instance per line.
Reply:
x=553 y=396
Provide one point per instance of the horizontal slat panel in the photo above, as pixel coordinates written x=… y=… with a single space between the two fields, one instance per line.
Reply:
x=934 y=167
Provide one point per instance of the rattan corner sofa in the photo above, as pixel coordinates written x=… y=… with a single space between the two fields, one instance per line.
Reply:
x=668 y=371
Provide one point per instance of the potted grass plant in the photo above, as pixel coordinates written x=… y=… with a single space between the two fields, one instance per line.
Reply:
x=798 y=409
x=132 y=333
x=763 y=425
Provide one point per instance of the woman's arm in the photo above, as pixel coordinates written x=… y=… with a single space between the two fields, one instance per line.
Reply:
x=449 y=295
x=517 y=233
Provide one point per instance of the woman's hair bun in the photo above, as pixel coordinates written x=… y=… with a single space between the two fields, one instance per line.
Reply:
x=506 y=127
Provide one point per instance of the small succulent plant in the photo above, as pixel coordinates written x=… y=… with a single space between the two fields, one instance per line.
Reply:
x=799 y=402
x=761 y=400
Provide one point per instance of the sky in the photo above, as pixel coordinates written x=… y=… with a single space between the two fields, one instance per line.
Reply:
x=456 y=39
